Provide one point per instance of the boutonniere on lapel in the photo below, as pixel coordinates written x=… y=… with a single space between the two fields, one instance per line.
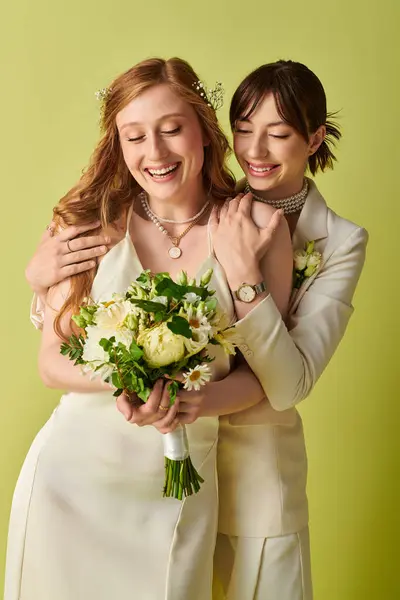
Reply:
x=306 y=263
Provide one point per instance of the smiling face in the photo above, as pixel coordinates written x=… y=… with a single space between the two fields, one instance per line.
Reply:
x=163 y=144
x=272 y=154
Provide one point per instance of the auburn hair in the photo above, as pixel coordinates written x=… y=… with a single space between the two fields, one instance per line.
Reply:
x=301 y=102
x=106 y=188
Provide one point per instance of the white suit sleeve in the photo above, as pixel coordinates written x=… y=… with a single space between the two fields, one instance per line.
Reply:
x=37 y=312
x=289 y=360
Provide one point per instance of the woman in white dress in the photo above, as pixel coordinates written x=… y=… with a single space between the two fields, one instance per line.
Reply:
x=88 y=520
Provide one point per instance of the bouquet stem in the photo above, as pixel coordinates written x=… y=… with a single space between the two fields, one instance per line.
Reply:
x=181 y=478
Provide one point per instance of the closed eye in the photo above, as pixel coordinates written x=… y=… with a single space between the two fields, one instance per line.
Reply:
x=238 y=130
x=172 y=131
x=136 y=139
x=279 y=137
x=167 y=132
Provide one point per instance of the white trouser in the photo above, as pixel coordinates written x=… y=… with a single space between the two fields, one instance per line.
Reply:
x=276 y=568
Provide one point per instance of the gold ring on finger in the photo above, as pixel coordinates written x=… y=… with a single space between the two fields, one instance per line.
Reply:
x=69 y=249
x=165 y=408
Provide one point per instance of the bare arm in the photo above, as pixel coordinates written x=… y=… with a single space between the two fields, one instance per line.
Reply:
x=238 y=391
x=57 y=371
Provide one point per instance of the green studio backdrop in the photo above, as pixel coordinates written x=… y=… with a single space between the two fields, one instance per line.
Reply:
x=54 y=55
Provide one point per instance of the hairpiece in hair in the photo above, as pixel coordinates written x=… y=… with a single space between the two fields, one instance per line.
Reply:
x=213 y=96
x=102 y=96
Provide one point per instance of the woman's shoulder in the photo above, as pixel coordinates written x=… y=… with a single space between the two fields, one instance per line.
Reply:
x=261 y=212
x=336 y=227
x=340 y=228
x=117 y=228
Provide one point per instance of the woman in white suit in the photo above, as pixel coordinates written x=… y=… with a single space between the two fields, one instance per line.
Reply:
x=281 y=128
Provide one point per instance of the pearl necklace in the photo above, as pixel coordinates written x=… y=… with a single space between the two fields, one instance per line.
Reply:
x=149 y=212
x=174 y=251
x=289 y=205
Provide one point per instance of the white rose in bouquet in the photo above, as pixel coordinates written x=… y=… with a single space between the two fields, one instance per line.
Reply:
x=160 y=346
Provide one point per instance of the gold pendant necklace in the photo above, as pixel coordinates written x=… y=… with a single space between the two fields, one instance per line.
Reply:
x=174 y=251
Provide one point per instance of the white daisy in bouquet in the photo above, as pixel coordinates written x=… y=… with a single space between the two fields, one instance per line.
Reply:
x=158 y=329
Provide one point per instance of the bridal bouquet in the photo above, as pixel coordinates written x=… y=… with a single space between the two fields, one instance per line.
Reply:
x=158 y=329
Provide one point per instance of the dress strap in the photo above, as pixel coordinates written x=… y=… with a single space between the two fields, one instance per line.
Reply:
x=209 y=236
x=128 y=219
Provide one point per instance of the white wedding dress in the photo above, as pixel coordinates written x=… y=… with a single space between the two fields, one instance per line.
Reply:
x=88 y=519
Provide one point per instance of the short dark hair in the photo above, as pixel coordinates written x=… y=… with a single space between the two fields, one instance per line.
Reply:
x=301 y=102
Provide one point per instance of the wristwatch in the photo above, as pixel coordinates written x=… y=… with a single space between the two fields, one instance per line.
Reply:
x=247 y=292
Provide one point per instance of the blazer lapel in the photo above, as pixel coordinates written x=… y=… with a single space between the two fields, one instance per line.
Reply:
x=312 y=225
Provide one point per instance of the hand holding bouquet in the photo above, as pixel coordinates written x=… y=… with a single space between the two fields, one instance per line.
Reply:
x=159 y=329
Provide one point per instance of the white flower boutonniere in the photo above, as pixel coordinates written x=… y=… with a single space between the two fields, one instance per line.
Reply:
x=306 y=262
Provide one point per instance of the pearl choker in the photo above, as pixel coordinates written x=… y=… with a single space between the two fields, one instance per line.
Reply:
x=289 y=205
x=154 y=217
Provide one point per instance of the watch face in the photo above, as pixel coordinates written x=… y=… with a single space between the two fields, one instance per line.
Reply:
x=246 y=293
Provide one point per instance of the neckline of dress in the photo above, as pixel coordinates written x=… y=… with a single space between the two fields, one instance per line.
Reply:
x=127 y=237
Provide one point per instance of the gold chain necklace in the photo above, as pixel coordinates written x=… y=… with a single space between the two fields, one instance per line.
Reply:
x=174 y=251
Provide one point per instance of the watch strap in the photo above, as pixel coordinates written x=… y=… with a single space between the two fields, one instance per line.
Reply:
x=259 y=288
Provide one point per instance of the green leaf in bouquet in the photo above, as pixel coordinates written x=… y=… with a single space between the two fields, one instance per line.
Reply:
x=173 y=388
x=133 y=381
x=139 y=368
x=65 y=349
x=80 y=321
x=144 y=394
x=73 y=349
x=87 y=313
x=116 y=380
x=149 y=306
x=167 y=287
x=203 y=292
x=135 y=351
x=180 y=326
x=106 y=344
x=160 y=276
x=140 y=385
x=145 y=279
x=118 y=392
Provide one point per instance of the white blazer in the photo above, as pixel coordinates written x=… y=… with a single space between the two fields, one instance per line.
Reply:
x=262 y=463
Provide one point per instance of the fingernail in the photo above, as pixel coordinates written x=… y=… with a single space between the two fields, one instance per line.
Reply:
x=107 y=240
x=103 y=248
